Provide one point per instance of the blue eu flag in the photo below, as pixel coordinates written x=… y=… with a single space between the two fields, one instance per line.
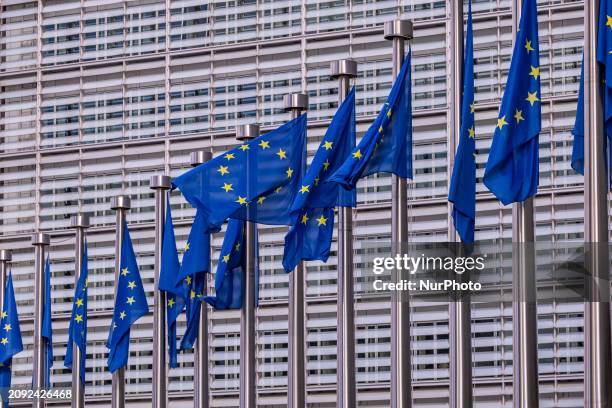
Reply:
x=311 y=235
x=387 y=145
x=10 y=339
x=512 y=173
x=195 y=266
x=47 y=330
x=228 y=279
x=261 y=174
x=130 y=305
x=578 y=130
x=175 y=291
x=462 y=189
x=77 y=331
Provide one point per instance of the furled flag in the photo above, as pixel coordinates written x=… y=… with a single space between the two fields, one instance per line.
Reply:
x=262 y=174
x=512 y=172
x=47 y=330
x=462 y=189
x=195 y=266
x=77 y=331
x=175 y=291
x=228 y=279
x=130 y=305
x=10 y=339
x=311 y=235
x=387 y=145
x=578 y=130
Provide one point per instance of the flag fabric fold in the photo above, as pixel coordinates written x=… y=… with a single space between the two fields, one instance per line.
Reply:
x=462 y=189
x=47 y=329
x=387 y=145
x=313 y=209
x=578 y=130
x=10 y=339
x=77 y=331
x=512 y=171
x=256 y=181
x=130 y=305
x=175 y=291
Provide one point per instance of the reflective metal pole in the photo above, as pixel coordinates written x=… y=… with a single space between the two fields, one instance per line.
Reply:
x=524 y=321
x=344 y=70
x=160 y=184
x=200 y=365
x=597 y=307
x=248 y=344
x=80 y=223
x=399 y=31
x=40 y=241
x=460 y=335
x=296 y=393
x=5 y=258
x=121 y=204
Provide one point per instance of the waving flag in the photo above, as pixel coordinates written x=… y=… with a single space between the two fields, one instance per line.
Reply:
x=47 y=330
x=260 y=176
x=175 y=291
x=387 y=145
x=311 y=235
x=229 y=286
x=77 y=331
x=462 y=189
x=130 y=305
x=10 y=339
x=512 y=172
x=195 y=266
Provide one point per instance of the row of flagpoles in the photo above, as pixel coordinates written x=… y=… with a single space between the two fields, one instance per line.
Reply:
x=264 y=180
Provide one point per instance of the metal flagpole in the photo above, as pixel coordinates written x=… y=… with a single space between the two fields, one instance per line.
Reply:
x=524 y=320
x=80 y=223
x=344 y=70
x=200 y=364
x=121 y=204
x=40 y=241
x=248 y=346
x=399 y=31
x=296 y=393
x=5 y=258
x=160 y=184
x=460 y=321
x=597 y=359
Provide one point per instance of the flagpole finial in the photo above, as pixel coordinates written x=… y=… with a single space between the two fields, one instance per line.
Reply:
x=399 y=28
x=121 y=202
x=343 y=67
x=296 y=101
x=80 y=221
x=199 y=157
x=247 y=132
x=6 y=255
x=41 y=238
x=159 y=182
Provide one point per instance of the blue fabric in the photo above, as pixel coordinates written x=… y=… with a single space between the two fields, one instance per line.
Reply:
x=387 y=145
x=462 y=189
x=578 y=130
x=512 y=172
x=47 y=330
x=256 y=181
x=130 y=305
x=77 y=331
x=196 y=291
x=313 y=209
x=229 y=285
x=175 y=291
x=10 y=340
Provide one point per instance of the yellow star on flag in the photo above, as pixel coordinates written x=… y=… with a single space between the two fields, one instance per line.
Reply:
x=122 y=315
x=4 y=315
x=532 y=97
x=130 y=300
x=260 y=200
x=472 y=107
x=223 y=170
x=305 y=189
x=4 y=341
x=132 y=284
x=278 y=189
x=227 y=187
x=229 y=156
x=326 y=165
x=472 y=132
x=8 y=327
x=535 y=72
x=125 y=272
x=316 y=181
x=78 y=318
x=609 y=22
x=322 y=220
x=389 y=113
x=241 y=200
x=289 y=172
x=528 y=46
x=86 y=284
x=305 y=219
x=187 y=246
x=192 y=294
x=327 y=145
x=357 y=155
x=501 y=122
x=226 y=258
x=188 y=280
x=171 y=302
x=237 y=247
x=244 y=147
x=281 y=154
x=518 y=116
x=264 y=144
x=79 y=302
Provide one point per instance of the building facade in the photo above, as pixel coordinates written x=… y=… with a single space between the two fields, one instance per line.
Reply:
x=98 y=95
